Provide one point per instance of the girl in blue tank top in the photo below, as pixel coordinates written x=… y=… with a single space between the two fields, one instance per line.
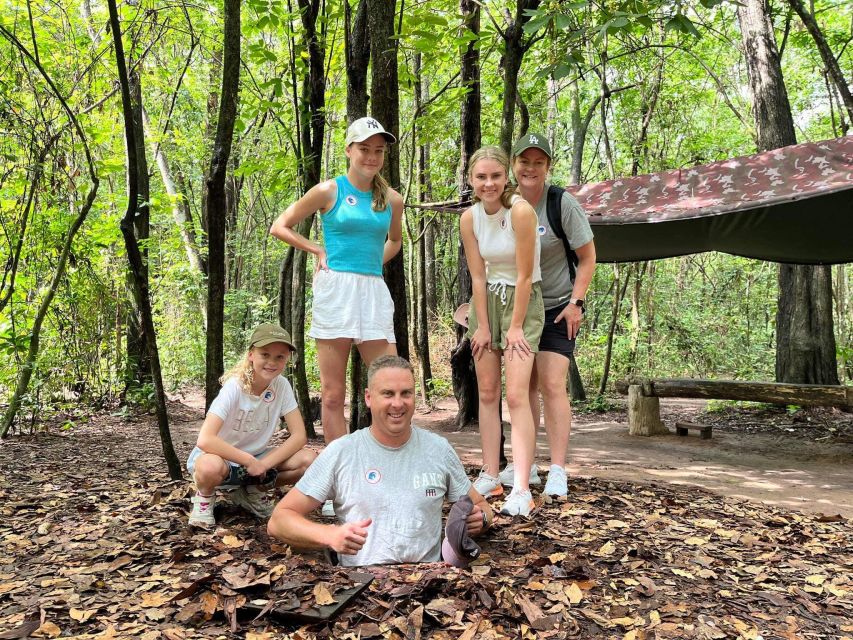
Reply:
x=362 y=230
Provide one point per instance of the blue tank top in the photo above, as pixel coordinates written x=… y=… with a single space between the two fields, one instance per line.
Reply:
x=354 y=234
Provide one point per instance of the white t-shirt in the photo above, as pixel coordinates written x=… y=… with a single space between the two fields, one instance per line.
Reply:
x=250 y=421
x=402 y=490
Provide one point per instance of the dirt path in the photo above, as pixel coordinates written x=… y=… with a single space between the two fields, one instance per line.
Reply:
x=775 y=468
x=773 y=465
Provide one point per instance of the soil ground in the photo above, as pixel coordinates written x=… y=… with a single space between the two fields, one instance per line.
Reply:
x=799 y=461
x=94 y=542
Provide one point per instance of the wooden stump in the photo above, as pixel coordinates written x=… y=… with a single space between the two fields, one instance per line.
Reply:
x=644 y=414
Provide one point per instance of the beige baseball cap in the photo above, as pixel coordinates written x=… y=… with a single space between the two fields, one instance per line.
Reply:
x=268 y=333
x=361 y=129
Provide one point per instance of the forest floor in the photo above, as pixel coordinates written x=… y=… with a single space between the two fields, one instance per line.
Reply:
x=745 y=535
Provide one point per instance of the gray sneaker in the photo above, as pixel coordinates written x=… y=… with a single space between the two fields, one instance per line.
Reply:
x=202 y=511
x=558 y=483
x=487 y=485
x=519 y=503
x=255 y=502
x=507 y=476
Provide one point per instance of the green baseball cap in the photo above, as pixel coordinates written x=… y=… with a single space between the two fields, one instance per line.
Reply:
x=268 y=333
x=532 y=141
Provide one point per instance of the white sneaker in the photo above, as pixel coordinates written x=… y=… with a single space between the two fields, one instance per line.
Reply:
x=507 y=476
x=328 y=510
x=558 y=483
x=255 y=502
x=202 y=511
x=487 y=485
x=519 y=503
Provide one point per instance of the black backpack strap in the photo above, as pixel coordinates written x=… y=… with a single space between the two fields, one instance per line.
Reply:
x=554 y=210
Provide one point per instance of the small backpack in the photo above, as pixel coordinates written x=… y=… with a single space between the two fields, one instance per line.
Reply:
x=555 y=219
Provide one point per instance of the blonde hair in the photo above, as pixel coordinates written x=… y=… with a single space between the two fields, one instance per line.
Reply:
x=498 y=155
x=243 y=371
x=380 y=192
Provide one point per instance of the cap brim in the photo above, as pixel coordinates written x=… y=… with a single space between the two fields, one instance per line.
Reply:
x=460 y=316
x=517 y=152
x=451 y=557
x=265 y=341
x=389 y=138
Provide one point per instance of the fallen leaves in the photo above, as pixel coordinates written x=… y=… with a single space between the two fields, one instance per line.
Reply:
x=96 y=555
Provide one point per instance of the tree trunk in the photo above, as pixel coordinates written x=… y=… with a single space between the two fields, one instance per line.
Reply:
x=137 y=369
x=357 y=50
x=215 y=197
x=805 y=341
x=358 y=56
x=644 y=414
x=134 y=256
x=425 y=193
x=830 y=63
x=312 y=119
x=462 y=365
x=514 y=49
x=180 y=206
x=619 y=294
x=385 y=107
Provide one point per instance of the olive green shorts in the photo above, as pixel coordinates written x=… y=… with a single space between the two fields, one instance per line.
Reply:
x=500 y=316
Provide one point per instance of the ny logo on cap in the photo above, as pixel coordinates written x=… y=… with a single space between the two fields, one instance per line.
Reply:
x=534 y=140
x=372 y=123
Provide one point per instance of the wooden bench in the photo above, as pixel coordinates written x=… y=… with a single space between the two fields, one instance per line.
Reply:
x=644 y=405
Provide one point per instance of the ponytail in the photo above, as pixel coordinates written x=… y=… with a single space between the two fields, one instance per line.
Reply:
x=380 y=192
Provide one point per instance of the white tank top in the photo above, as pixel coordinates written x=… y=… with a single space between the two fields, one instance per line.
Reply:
x=496 y=241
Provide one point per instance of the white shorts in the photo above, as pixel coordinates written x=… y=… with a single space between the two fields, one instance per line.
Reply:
x=351 y=305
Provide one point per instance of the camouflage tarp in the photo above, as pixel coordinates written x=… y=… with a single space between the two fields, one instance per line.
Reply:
x=793 y=204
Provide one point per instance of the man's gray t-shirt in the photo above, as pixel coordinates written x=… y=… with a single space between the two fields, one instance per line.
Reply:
x=556 y=281
x=402 y=490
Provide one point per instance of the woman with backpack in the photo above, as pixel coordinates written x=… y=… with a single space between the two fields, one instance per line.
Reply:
x=567 y=263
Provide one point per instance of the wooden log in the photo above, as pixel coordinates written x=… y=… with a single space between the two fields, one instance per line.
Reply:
x=644 y=414
x=771 y=392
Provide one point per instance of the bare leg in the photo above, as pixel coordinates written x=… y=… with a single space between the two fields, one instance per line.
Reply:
x=488 y=369
x=552 y=369
x=523 y=433
x=372 y=349
x=294 y=467
x=209 y=472
x=332 y=356
x=535 y=408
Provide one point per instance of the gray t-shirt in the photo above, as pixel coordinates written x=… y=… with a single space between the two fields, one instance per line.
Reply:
x=556 y=282
x=402 y=490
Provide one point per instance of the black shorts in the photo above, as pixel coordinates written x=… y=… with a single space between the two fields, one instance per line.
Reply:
x=555 y=337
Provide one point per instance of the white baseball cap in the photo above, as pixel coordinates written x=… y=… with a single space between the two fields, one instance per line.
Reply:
x=361 y=129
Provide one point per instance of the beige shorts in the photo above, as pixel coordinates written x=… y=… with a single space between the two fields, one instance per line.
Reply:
x=499 y=304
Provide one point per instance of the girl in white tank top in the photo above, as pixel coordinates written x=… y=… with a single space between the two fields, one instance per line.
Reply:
x=500 y=235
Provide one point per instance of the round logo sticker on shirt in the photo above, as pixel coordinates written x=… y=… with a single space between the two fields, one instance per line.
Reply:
x=373 y=476
x=351 y=201
x=268 y=396
x=541 y=230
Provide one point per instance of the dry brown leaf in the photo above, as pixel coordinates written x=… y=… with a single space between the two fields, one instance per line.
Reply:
x=322 y=595
x=47 y=630
x=80 y=615
x=232 y=541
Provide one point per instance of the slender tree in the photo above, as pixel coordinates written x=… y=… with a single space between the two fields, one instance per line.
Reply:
x=133 y=126
x=216 y=201
x=462 y=364
x=805 y=340
x=385 y=107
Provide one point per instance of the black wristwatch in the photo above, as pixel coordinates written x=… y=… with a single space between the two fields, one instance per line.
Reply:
x=578 y=302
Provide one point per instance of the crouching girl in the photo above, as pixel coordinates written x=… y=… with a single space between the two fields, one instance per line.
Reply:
x=232 y=448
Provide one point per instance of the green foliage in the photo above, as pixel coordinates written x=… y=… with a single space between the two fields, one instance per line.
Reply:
x=725 y=322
